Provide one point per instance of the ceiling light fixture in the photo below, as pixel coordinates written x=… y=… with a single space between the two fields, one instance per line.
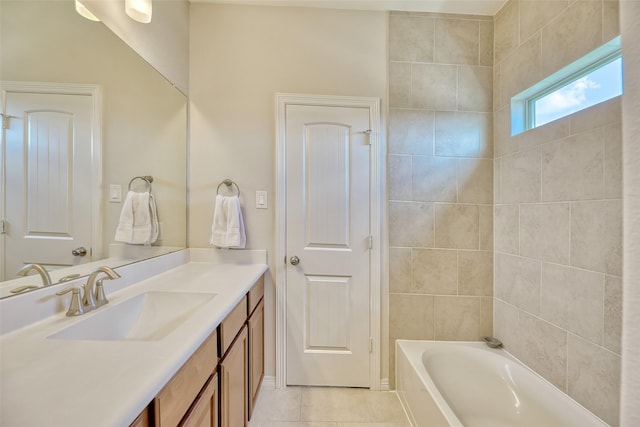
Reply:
x=138 y=10
x=84 y=12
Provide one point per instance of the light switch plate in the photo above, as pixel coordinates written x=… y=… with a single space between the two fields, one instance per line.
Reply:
x=262 y=201
x=115 y=193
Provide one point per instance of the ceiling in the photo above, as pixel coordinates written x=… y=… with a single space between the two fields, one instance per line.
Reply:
x=471 y=7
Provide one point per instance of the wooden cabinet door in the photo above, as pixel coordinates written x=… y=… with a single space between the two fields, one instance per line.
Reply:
x=204 y=412
x=234 y=383
x=256 y=353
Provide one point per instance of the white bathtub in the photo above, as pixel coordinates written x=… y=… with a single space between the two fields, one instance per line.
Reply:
x=467 y=384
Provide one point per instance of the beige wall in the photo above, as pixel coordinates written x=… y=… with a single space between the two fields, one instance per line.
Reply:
x=440 y=177
x=630 y=28
x=558 y=209
x=143 y=116
x=163 y=42
x=241 y=56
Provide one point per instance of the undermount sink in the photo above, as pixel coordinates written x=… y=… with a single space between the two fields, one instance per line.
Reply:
x=149 y=316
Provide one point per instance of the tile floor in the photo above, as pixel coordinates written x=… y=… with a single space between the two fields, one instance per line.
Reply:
x=327 y=407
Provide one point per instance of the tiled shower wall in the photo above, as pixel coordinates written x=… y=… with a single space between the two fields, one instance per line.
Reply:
x=558 y=208
x=440 y=177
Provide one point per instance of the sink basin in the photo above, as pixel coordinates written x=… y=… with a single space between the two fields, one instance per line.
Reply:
x=149 y=316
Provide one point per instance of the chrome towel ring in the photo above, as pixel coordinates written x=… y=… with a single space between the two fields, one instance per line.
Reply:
x=228 y=183
x=146 y=178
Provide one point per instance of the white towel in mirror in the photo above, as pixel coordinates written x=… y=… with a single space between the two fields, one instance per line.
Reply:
x=227 y=230
x=138 y=220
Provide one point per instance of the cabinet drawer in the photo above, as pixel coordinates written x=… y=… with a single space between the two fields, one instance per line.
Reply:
x=176 y=397
x=256 y=293
x=231 y=325
x=204 y=412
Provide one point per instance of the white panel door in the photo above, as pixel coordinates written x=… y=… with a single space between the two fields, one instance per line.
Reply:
x=328 y=229
x=48 y=209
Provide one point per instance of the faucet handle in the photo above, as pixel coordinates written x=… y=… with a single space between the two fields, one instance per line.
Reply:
x=100 y=297
x=75 y=306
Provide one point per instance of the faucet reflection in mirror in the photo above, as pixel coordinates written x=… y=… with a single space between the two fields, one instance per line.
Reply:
x=44 y=275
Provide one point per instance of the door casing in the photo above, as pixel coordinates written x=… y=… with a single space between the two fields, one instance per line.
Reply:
x=376 y=213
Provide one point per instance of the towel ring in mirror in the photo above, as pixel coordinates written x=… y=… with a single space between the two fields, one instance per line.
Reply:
x=146 y=178
x=228 y=183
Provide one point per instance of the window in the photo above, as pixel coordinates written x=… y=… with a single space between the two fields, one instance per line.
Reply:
x=593 y=79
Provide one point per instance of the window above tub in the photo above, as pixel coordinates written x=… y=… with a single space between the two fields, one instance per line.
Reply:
x=592 y=79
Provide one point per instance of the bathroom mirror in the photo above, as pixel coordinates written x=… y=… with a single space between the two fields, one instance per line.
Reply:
x=142 y=128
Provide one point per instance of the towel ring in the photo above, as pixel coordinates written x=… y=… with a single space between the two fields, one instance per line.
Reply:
x=146 y=178
x=228 y=183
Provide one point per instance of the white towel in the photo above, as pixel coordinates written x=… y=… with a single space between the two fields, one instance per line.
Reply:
x=227 y=230
x=138 y=220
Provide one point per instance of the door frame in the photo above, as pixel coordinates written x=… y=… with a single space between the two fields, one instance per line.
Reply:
x=95 y=92
x=376 y=226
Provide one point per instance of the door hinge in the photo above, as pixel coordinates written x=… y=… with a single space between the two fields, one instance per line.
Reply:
x=370 y=242
x=370 y=345
x=6 y=120
x=3 y=226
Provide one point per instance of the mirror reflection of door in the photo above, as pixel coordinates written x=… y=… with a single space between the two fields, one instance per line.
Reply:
x=48 y=209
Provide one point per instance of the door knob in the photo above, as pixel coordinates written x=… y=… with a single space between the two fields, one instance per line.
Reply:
x=81 y=251
x=294 y=260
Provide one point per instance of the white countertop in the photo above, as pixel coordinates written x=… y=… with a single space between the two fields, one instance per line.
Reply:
x=47 y=382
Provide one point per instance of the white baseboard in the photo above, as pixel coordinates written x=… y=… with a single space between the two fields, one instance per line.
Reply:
x=268 y=382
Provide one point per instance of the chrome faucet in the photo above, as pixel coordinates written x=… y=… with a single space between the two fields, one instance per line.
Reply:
x=46 y=279
x=90 y=295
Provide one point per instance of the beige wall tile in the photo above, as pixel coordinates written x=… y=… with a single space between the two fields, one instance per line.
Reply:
x=503 y=142
x=433 y=86
x=399 y=269
x=399 y=85
x=545 y=232
x=497 y=88
x=475 y=273
x=571 y=35
x=486 y=227
x=457 y=226
x=457 y=42
x=596 y=236
x=507 y=29
x=475 y=181
x=507 y=229
x=434 y=179
x=486 y=43
x=552 y=131
x=486 y=317
x=613 y=161
x=543 y=347
x=411 y=132
x=475 y=88
x=573 y=299
x=534 y=14
x=521 y=177
x=573 y=168
x=497 y=181
x=520 y=70
x=411 y=224
x=463 y=134
x=434 y=271
x=411 y=38
x=411 y=317
x=599 y=115
x=613 y=313
x=399 y=177
x=505 y=324
x=457 y=318
x=611 y=20
x=517 y=281
x=594 y=378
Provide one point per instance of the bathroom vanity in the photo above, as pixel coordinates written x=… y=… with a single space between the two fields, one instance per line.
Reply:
x=194 y=356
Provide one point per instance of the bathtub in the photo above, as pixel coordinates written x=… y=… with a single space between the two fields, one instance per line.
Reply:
x=467 y=384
